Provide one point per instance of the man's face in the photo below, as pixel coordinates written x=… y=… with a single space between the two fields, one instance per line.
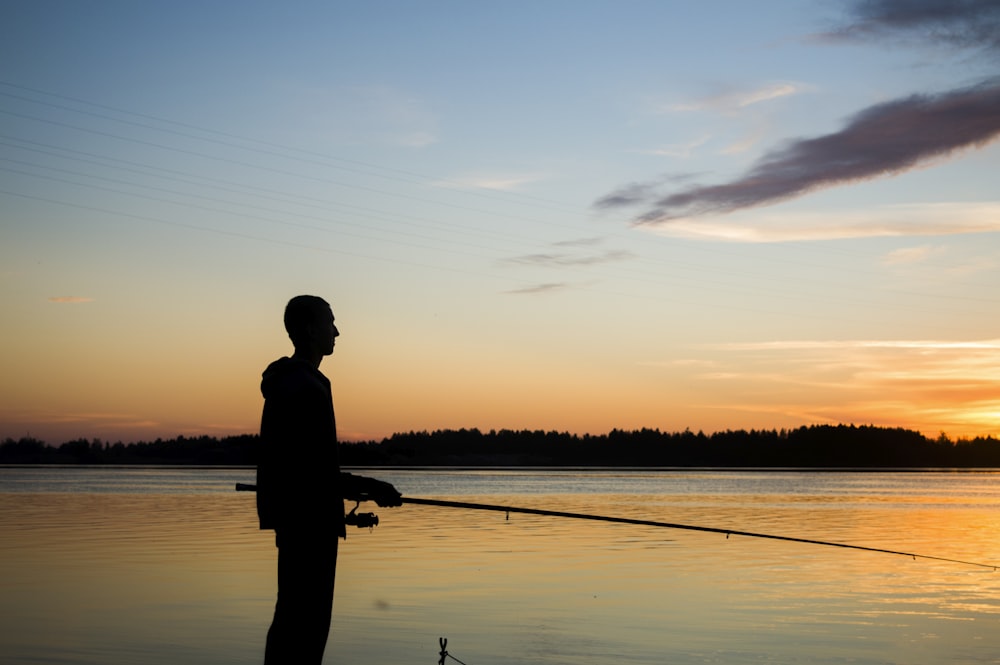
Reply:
x=326 y=334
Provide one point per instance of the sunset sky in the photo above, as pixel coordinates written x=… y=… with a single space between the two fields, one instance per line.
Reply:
x=564 y=215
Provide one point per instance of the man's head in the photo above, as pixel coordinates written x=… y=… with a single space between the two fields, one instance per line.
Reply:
x=309 y=322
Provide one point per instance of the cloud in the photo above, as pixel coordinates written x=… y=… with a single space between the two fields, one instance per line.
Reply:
x=908 y=255
x=640 y=192
x=920 y=219
x=104 y=419
x=507 y=182
x=733 y=100
x=957 y=23
x=884 y=139
x=573 y=253
x=929 y=384
x=579 y=242
x=563 y=259
x=677 y=149
x=840 y=345
x=742 y=145
x=540 y=288
x=70 y=299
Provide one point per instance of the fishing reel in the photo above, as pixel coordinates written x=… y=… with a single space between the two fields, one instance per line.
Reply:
x=361 y=520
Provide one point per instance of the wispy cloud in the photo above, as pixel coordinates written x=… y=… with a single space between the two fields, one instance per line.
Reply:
x=103 y=419
x=678 y=149
x=500 y=182
x=574 y=252
x=958 y=23
x=579 y=242
x=741 y=145
x=567 y=259
x=928 y=384
x=840 y=345
x=884 y=139
x=640 y=192
x=540 y=288
x=733 y=100
x=908 y=255
x=70 y=299
x=927 y=219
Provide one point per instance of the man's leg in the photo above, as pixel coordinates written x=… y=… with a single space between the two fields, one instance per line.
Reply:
x=301 y=625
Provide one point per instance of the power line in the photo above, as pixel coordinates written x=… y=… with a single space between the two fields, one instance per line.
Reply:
x=654 y=278
x=375 y=167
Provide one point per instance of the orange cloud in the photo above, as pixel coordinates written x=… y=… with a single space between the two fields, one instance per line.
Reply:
x=928 y=385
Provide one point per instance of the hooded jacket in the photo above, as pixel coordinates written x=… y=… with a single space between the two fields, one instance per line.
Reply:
x=298 y=472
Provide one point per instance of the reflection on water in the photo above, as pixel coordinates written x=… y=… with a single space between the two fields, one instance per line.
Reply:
x=167 y=566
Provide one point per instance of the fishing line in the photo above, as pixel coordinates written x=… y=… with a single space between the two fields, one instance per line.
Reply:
x=673 y=525
x=241 y=487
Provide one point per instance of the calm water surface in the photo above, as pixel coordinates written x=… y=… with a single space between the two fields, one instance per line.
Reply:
x=149 y=565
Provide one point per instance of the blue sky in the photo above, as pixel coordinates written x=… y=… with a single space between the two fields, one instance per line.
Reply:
x=560 y=215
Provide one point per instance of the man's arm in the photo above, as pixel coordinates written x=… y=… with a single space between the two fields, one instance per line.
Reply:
x=363 y=488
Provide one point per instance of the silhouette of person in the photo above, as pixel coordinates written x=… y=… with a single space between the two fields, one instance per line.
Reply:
x=300 y=487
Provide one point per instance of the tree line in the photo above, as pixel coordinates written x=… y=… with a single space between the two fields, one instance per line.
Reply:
x=814 y=446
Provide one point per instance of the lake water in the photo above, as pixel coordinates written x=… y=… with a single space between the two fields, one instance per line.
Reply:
x=111 y=566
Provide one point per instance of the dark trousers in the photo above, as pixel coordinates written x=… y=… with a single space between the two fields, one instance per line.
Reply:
x=307 y=565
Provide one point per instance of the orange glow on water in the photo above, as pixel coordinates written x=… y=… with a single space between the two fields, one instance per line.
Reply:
x=159 y=574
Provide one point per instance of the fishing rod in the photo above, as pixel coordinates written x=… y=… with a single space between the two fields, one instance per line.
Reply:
x=243 y=487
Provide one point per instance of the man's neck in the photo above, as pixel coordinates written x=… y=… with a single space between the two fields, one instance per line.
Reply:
x=311 y=358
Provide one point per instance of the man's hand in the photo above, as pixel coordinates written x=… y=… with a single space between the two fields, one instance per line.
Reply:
x=384 y=494
x=363 y=488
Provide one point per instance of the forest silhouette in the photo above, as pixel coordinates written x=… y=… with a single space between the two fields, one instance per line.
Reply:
x=814 y=446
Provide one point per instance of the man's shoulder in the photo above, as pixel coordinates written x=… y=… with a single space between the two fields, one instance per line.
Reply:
x=289 y=375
